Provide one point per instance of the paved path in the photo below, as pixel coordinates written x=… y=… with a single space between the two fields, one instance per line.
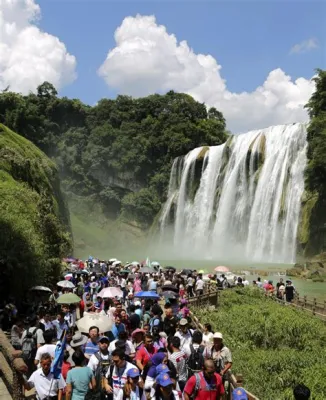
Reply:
x=4 y=394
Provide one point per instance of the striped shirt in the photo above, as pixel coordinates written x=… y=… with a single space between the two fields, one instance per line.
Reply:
x=90 y=348
x=179 y=360
x=119 y=378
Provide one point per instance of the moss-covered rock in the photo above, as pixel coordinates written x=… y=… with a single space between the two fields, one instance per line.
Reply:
x=34 y=220
x=309 y=201
x=202 y=153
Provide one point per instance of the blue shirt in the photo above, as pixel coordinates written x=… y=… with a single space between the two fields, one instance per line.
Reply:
x=117 y=329
x=60 y=327
x=90 y=348
x=79 y=378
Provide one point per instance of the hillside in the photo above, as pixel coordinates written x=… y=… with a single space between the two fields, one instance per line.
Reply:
x=34 y=221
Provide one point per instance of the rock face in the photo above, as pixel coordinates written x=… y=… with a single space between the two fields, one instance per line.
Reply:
x=34 y=220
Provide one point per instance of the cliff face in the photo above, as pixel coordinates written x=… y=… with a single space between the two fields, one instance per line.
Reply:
x=34 y=220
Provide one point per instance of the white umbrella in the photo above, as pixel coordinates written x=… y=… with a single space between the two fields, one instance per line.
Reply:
x=116 y=263
x=110 y=292
x=101 y=320
x=66 y=284
x=221 y=268
x=112 y=260
x=155 y=264
x=40 y=289
x=135 y=263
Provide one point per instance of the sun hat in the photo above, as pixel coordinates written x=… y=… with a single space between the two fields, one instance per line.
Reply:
x=239 y=394
x=162 y=368
x=137 y=331
x=217 y=335
x=164 y=379
x=133 y=373
x=183 y=321
x=78 y=339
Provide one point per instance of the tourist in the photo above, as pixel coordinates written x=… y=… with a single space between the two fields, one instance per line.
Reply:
x=132 y=389
x=91 y=346
x=46 y=387
x=199 y=285
x=146 y=352
x=178 y=357
x=170 y=322
x=184 y=333
x=204 y=385
x=164 y=388
x=48 y=347
x=79 y=379
x=60 y=324
x=289 y=291
x=208 y=335
x=220 y=354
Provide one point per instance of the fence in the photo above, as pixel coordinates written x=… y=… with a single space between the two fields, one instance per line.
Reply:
x=12 y=366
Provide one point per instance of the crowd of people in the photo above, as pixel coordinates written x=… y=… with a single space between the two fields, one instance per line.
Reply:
x=153 y=349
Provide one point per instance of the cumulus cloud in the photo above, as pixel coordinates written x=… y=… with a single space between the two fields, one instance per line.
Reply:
x=304 y=46
x=29 y=56
x=148 y=59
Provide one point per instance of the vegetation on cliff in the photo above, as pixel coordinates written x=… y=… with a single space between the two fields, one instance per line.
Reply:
x=34 y=222
x=273 y=346
x=312 y=230
x=119 y=152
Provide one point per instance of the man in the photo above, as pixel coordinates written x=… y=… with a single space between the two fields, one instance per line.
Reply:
x=48 y=347
x=42 y=380
x=116 y=377
x=130 y=348
x=170 y=322
x=68 y=316
x=99 y=363
x=47 y=323
x=185 y=334
x=60 y=324
x=32 y=338
x=117 y=328
x=200 y=285
x=91 y=346
x=145 y=353
x=178 y=357
x=204 y=385
x=134 y=318
x=220 y=354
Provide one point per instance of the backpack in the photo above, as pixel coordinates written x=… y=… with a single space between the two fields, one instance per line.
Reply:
x=29 y=345
x=157 y=328
x=101 y=370
x=195 y=361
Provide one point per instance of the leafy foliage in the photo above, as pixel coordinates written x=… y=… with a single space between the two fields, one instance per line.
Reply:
x=275 y=347
x=315 y=174
x=34 y=222
x=119 y=150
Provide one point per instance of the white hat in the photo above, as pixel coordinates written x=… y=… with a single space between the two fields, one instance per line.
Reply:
x=183 y=321
x=217 y=335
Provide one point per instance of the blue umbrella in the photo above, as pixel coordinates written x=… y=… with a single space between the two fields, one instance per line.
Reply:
x=148 y=295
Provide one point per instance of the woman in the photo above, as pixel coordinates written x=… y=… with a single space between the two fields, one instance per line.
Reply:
x=79 y=379
x=132 y=389
x=157 y=359
x=207 y=335
x=164 y=388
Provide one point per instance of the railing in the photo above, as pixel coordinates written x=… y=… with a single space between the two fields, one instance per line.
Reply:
x=12 y=366
x=211 y=298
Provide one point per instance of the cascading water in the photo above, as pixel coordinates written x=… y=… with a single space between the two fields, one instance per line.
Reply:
x=240 y=200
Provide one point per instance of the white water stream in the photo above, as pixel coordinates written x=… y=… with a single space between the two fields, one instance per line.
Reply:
x=244 y=201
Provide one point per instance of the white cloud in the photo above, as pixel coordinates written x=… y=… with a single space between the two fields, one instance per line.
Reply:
x=28 y=56
x=304 y=46
x=148 y=59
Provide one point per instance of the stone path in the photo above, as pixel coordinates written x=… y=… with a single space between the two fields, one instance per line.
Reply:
x=4 y=394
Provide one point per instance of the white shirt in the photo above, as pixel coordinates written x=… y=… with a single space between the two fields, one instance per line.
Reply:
x=200 y=284
x=47 y=325
x=208 y=338
x=130 y=348
x=122 y=283
x=93 y=361
x=47 y=348
x=39 y=334
x=119 y=378
x=43 y=384
x=185 y=339
x=133 y=395
x=190 y=281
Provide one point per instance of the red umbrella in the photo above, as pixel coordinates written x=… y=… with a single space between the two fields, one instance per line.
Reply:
x=221 y=269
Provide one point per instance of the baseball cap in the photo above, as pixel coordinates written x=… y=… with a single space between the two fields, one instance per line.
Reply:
x=133 y=373
x=103 y=338
x=164 y=379
x=239 y=394
x=162 y=368
x=217 y=335
x=183 y=321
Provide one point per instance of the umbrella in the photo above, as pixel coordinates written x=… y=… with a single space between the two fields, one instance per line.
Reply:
x=201 y=271
x=221 y=269
x=148 y=295
x=110 y=292
x=124 y=271
x=135 y=263
x=40 y=289
x=101 y=320
x=68 y=298
x=95 y=260
x=170 y=268
x=115 y=263
x=112 y=260
x=66 y=284
x=170 y=295
x=146 y=270
x=155 y=264
x=82 y=272
x=170 y=288
x=186 y=271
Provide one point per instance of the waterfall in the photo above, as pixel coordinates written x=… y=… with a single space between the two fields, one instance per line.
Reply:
x=240 y=200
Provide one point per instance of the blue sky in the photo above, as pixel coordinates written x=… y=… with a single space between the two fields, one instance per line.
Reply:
x=248 y=39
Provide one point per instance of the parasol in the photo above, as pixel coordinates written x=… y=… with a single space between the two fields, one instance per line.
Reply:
x=110 y=292
x=221 y=269
x=101 y=320
x=68 y=298
x=170 y=295
x=147 y=295
x=66 y=284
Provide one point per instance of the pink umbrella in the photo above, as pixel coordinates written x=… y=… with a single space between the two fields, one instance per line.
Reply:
x=221 y=269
